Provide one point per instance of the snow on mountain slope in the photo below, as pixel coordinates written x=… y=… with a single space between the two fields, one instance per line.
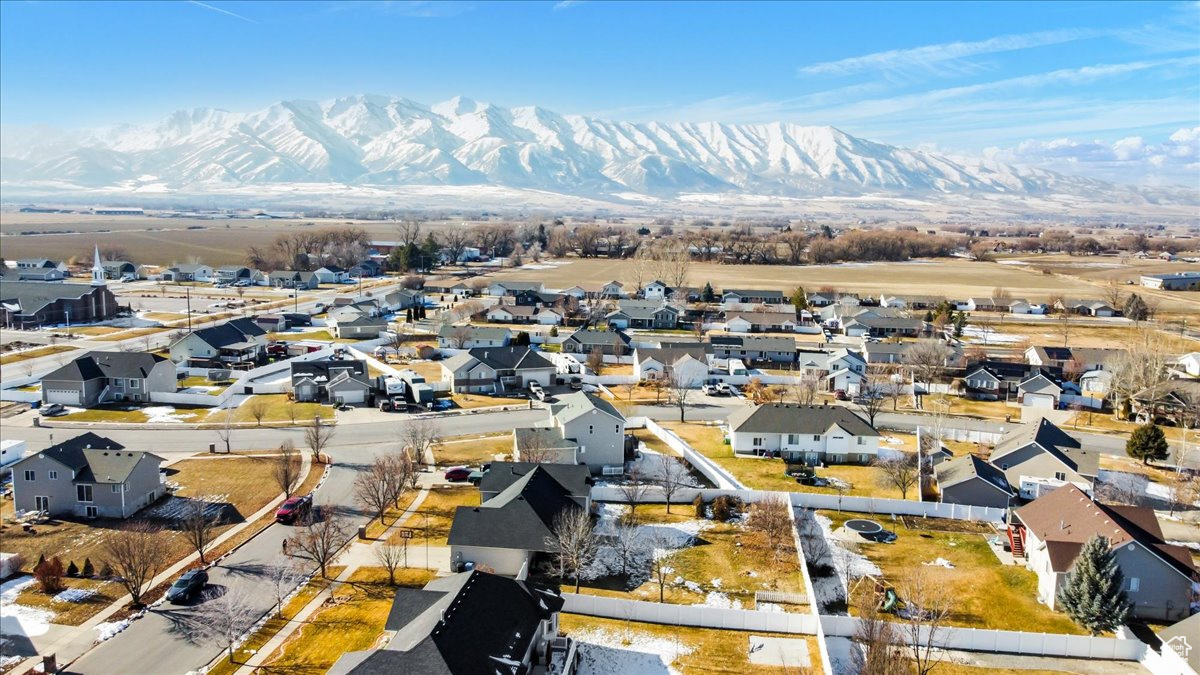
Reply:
x=384 y=141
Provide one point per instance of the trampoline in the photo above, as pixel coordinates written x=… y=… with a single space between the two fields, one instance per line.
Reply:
x=865 y=528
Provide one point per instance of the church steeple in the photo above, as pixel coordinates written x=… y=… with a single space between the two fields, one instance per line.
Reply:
x=98 y=270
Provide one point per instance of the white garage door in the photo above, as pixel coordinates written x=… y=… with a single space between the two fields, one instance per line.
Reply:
x=63 y=396
x=1045 y=401
x=352 y=395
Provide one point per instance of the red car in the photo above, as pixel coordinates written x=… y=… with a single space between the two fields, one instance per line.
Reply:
x=458 y=473
x=293 y=509
x=841 y=395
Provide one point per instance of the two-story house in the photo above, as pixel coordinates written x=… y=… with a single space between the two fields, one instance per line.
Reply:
x=581 y=429
x=493 y=370
x=1037 y=457
x=239 y=344
x=1000 y=380
x=1050 y=532
x=803 y=433
x=88 y=476
x=103 y=377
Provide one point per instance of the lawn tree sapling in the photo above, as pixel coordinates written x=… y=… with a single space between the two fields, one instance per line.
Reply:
x=286 y=467
x=198 y=525
x=136 y=553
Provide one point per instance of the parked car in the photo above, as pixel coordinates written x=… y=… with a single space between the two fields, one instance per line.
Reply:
x=53 y=410
x=841 y=395
x=458 y=473
x=187 y=586
x=712 y=390
x=576 y=383
x=726 y=389
x=293 y=510
x=535 y=389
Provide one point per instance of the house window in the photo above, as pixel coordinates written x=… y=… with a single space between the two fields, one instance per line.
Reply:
x=1058 y=475
x=793 y=439
x=41 y=503
x=116 y=489
x=83 y=493
x=133 y=384
x=816 y=437
x=90 y=512
x=1004 y=466
x=589 y=429
x=30 y=475
x=756 y=441
x=53 y=475
x=1134 y=584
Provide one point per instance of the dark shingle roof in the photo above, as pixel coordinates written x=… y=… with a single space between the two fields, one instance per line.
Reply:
x=520 y=517
x=34 y=295
x=967 y=467
x=509 y=358
x=95 y=365
x=1055 y=441
x=787 y=418
x=230 y=333
x=326 y=369
x=575 y=478
x=599 y=337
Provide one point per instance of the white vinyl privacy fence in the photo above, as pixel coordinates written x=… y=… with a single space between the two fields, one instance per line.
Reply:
x=700 y=616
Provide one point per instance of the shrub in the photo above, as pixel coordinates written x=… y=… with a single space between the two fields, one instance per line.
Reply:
x=698 y=503
x=72 y=569
x=88 y=570
x=727 y=506
x=49 y=575
x=106 y=572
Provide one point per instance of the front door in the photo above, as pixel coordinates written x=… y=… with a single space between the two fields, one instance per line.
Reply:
x=41 y=503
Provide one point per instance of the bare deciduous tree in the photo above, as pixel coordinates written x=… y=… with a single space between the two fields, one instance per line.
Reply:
x=595 y=360
x=678 y=391
x=660 y=569
x=284 y=575
x=225 y=429
x=927 y=607
x=878 y=641
x=391 y=554
x=136 y=553
x=1141 y=365
x=805 y=390
x=373 y=488
x=258 y=407
x=419 y=436
x=532 y=446
x=572 y=543
x=672 y=476
x=317 y=437
x=223 y=617
x=900 y=471
x=286 y=467
x=872 y=394
x=927 y=358
x=773 y=518
x=627 y=542
x=320 y=540
x=198 y=526
x=634 y=490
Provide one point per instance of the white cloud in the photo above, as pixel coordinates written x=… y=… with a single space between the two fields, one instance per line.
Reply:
x=941 y=56
x=204 y=5
x=566 y=4
x=1175 y=160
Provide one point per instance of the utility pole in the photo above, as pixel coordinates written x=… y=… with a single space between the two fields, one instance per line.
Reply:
x=188 y=291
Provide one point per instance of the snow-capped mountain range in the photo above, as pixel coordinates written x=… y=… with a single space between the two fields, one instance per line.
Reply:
x=381 y=141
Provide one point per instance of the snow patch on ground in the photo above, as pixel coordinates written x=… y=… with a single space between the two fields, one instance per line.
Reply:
x=75 y=595
x=603 y=652
x=17 y=619
x=107 y=630
x=165 y=414
x=770 y=607
x=720 y=601
x=976 y=333
x=940 y=562
x=1194 y=545
x=1128 y=483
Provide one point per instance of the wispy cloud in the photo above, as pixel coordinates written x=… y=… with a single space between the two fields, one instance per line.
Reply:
x=932 y=58
x=567 y=4
x=205 y=5
x=421 y=9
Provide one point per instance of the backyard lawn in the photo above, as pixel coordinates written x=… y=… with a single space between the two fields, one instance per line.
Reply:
x=352 y=622
x=74 y=613
x=278 y=409
x=768 y=474
x=430 y=370
x=984 y=593
x=322 y=335
x=472 y=450
x=127 y=414
x=697 y=650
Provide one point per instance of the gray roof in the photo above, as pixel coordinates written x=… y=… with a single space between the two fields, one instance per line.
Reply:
x=788 y=418
x=1053 y=440
x=752 y=292
x=34 y=295
x=520 y=285
x=549 y=438
x=231 y=334
x=763 y=318
x=1040 y=382
x=969 y=467
x=576 y=478
x=669 y=355
x=572 y=405
x=765 y=343
x=599 y=337
x=134 y=365
x=188 y=268
x=642 y=309
x=520 y=517
x=475 y=332
x=95 y=459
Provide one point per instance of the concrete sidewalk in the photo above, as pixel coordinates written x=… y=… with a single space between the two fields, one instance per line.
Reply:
x=80 y=639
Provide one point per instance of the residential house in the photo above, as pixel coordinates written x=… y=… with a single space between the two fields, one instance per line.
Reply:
x=1096 y=383
x=468 y=624
x=839 y=370
x=331 y=274
x=609 y=342
x=1037 y=457
x=761 y=322
x=1026 y=307
x=534 y=298
x=910 y=301
x=272 y=323
x=189 y=272
x=649 y=314
x=656 y=290
x=1071 y=359
x=1175 y=281
x=875 y=324
x=754 y=348
x=239 y=344
x=354 y=323
x=368 y=306
x=41 y=269
x=550 y=316
x=88 y=476
x=808 y=433
x=472 y=337
x=507 y=531
x=1173 y=401
x=105 y=377
x=732 y=298
x=457 y=289
x=294 y=279
x=1086 y=307
x=1189 y=364
x=1040 y=391
x=830 y=298
x=494 y=370
x=231 y=274
x=1050 y=532
x=368 y=267
x=333 y=381
x=502 y=288
x=512 y=314
x=614 y=290
x=119 y=269
x=688 y=365
x=972 y=481
x=999 y=380
x=32 y=304
x=581 y=429
x=894 y=352
x=403 y=299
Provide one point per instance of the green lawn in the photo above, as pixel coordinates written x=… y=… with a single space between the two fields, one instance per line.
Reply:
x=985 y=593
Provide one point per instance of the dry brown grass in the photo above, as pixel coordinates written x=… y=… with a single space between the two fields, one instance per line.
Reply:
x=34 y=353
x=72 y=613
x=472 y=451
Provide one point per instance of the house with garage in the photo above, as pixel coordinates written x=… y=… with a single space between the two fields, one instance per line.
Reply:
x=472 y=337
x=581 y=429
x=119 y=269
x=240 y=344
x=761 y=322
x=231 y=274
x=648 y=314
x=972 y=481
x=1049 y=533
x=511 y=288
x=496 y=370
x=829 y=298
x=910 y=301
x=992 y=380
x=456 y=289
x=403 y=299
x=609 y=342
x=1071 y=359
x=333 y=381
x=87 y=476
x=1038 y=457
x=812 y=434
x=297 y=279
x=732 y=298
x=41 y=269
x=1173 y=401
x=875 y=324
x=332 y=274
x=1086 y=307
x=1040 y=390
x=198 y=273
x=684 y=364
x=754 y=349
x=469 y=623
x=354 y=324
x=107 y=377
x=508 y=530
x=1027 y=307
x=512 y=314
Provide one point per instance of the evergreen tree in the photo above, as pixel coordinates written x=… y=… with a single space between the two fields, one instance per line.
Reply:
x=827 y=232
x=799 y=298
x=929 y=316
x=554 y=331
x=708 y=295
x=1147 y=443
x=1094 y=595
x=72 y=569
x=960 y=322
x=408 y=315
x=1136 y=309
x=41 y=561
x=88 y=570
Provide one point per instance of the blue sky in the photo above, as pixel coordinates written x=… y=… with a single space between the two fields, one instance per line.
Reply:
x=1112 y=87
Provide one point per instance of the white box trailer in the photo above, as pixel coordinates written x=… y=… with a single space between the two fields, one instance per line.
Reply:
x=11 y=452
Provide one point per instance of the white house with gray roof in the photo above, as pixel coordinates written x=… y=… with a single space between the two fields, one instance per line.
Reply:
x=581 y=429
x=808 y=433
x=1038 y=457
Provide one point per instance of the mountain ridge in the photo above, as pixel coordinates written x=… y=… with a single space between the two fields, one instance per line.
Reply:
x=392 y=141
